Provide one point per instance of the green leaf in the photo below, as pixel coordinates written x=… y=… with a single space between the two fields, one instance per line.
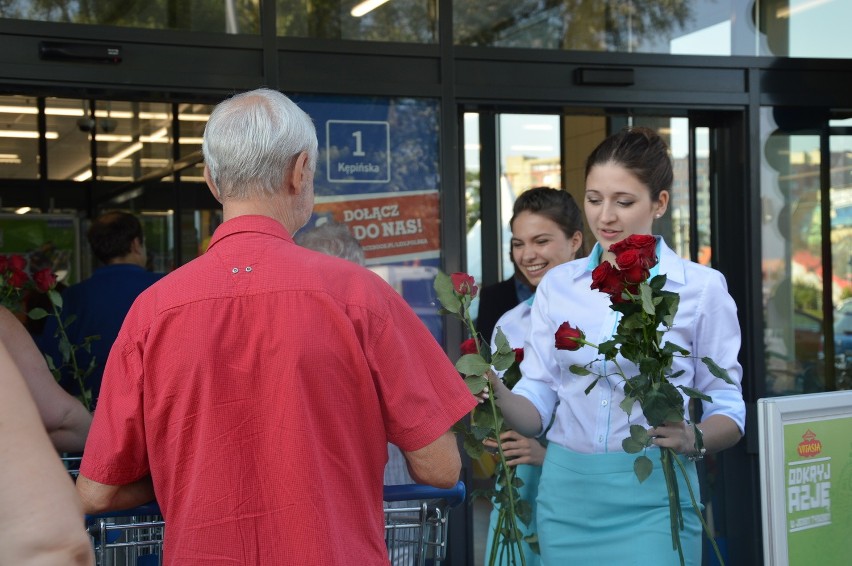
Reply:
x=55 y=298
x=627 y=404
x=640 y=435
x=671 y=348
x=37 y=313
x=642 y=467
x=592 y=384
x=475 y=383
x=695 y=394
x=49 y=359
x=579 y=370
x=647 y=299
x=659 y=405
x=67 y=322
x=532 y=541
x=716 y=370
x=523 y=511
x=444 y=290
x=512 y=376
x=658 y=282
x=472 y=364
x=473 y=447
x=609 y=349
x=631 y=446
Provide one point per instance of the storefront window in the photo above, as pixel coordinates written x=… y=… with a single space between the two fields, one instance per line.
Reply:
x=784 y=28
x=408 y=21
x=19 y=137
x=378 y=173
x=216 y=16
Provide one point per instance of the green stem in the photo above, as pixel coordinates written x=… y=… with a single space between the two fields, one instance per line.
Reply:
x=78 y=377
x=507 y=485
x=699 y=513
x=666 y=455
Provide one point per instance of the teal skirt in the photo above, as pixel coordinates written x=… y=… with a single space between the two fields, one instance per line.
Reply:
x=528 y=492
x=592 y=509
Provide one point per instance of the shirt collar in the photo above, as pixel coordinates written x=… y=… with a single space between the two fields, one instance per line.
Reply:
x=669 y=262
x=250 y=223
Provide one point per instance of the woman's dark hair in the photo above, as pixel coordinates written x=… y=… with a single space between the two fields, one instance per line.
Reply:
x=554 y=204
x=642 y=152
x=111 y=235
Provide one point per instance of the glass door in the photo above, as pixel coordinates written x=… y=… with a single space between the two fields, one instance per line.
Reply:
x=506 y=153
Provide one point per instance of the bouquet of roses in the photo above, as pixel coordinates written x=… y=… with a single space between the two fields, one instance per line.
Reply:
x=455 y=292
x=15 y=282
x=647 y=312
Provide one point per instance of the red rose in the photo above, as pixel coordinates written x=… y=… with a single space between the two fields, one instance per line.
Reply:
x=568 y=338
x=607 y=279
x=632 y=266
x=644 y=244
x=519 y=355
x=17 y=262
x=469 y=347
x=44 y=279
x=464 y=284
x=18 y=278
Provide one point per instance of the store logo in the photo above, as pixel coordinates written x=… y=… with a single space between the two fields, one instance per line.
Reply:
x=810 y=445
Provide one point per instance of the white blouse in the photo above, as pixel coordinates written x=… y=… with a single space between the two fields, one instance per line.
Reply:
x=706 y=325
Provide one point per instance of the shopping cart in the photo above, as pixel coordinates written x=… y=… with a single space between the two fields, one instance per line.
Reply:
x=133 y=537
x=416 y=522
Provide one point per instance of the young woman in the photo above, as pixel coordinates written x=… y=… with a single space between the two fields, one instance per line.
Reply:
x=547 y=230
x=590 y=504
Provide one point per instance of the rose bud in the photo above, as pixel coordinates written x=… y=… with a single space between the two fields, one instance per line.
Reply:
x=464 y=284
x=519 y=355
x=44 y=279
x=568 y=337
x=607 y=279
x=469 y=347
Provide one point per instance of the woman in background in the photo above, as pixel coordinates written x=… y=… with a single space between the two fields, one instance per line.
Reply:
x=547 y=230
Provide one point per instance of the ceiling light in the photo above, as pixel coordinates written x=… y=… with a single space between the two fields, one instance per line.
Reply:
x=366 y=7
x=27 y=134
x=126 y=152
x=84 y=176
x=23 y=210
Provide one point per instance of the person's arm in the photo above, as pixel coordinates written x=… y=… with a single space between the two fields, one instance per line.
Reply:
x=42 y=521
x=66 y=419
x=99 y=497
x=437 y=464
x=519 y=412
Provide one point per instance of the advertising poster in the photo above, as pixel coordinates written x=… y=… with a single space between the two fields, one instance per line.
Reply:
x=818 y=471
x=378 y=172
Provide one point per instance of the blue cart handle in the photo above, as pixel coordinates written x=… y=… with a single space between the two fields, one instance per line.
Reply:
x=151 y=508
x=453 y=496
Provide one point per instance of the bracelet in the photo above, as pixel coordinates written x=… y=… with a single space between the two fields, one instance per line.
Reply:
x=700 y=451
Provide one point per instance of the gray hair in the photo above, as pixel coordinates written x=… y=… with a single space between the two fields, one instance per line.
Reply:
x=332 y=239
x=252 y=140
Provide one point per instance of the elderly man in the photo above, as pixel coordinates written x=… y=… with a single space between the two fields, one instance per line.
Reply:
x=254 y=390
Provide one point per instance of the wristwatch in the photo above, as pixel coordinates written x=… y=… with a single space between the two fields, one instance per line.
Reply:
x=700 y=451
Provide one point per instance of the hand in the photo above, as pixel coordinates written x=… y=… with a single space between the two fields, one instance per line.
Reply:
x=483 y=395
x=678 y=436
x=519 y=449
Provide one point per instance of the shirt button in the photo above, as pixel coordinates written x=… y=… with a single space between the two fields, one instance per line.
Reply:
x=248 y=268
x=235 y=270
x=600 y=439
x=604 y=403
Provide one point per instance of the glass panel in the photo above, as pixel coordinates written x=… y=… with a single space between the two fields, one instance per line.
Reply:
x=68 y=154
x=806 y=28
x=228 y=16
x=19 y=137
x=791 y=259
x=410 y=21
x=841 y=256
x=529 y=157
x=702 y=195
x=192 y=119
x=705 y=27
x=472 y=199
x=132 y=140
